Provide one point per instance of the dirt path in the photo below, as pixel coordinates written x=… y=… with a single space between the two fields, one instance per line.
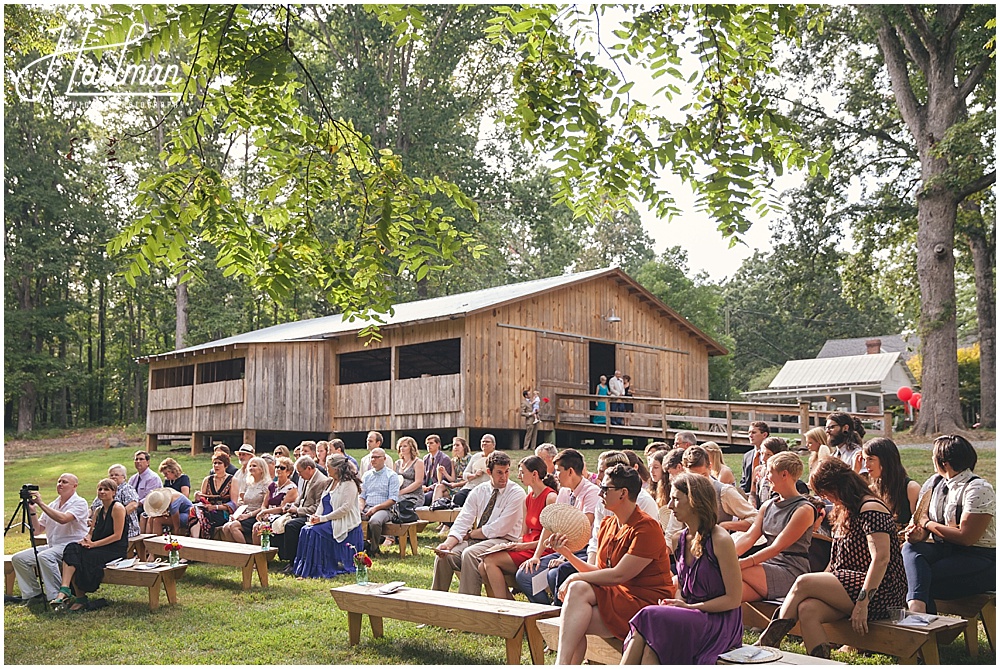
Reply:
x=77 y=440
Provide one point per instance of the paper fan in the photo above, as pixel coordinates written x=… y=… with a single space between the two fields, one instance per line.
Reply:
x=568 y=520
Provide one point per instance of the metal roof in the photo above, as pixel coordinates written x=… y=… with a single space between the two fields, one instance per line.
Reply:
x=850 y=370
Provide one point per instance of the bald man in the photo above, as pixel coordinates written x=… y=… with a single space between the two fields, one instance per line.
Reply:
x=63 y=521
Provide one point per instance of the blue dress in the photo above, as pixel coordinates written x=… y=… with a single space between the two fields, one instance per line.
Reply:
x=600 y=406
x=688 y=636
x=320 y=555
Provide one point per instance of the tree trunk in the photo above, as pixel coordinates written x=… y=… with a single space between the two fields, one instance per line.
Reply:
x=984 y=263
x=26 y=405
x=181 y=330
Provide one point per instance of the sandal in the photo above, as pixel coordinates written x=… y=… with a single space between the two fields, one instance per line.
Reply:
x=65 y=594
x=79 y=605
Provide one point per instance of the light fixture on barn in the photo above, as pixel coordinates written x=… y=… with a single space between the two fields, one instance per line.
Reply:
x=612 y=317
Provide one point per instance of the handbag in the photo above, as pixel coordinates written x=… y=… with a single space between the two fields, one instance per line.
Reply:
x=278 y=524
x=404 y=512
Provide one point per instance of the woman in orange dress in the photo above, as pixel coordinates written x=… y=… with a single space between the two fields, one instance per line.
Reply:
x=632 y=570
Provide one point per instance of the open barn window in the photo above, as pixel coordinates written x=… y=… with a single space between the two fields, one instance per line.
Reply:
x=222 y=370
x=434 y=358
x=365 y=366
x=173 y=377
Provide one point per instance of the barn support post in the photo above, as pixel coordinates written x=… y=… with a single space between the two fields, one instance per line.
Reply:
x=250 y=437
x=463 y=432
x=151 y=442
x=887 y=424
x=197 y=441
x=803 y=417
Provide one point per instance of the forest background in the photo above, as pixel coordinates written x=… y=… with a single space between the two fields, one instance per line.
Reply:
x=452 y=148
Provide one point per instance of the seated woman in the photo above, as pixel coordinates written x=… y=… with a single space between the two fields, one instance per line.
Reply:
x=281 y=494
x=83 y=561
x=760 y=491
x=865 y=577
x=167 y=509
x=327 y=541
x=706 y=620
x=240 y=528
x=720 y=470
x=632 y=570
x=815 y=441
x=174 y=477
x=786 y=521
x=888 y=479
x=216 y=500
x=542 y=486
x=659 y=486
x=448 y=484
x=951 y=551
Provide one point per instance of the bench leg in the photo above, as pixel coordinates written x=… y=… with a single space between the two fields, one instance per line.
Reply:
x=536 y=644
x=260 y=561
x=929 y=651
x=989 y=614
x=514 y=647
x=154 y=595
x=354 y=628
x=376 y=623
x=972 y=637
x=248 y=575
x=170 y=587
x=8 y=583
x=414 y=548
x=402 y=539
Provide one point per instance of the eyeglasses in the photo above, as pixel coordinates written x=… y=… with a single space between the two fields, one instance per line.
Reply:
x=606 y=488
x=378 y=457
x=281 y=467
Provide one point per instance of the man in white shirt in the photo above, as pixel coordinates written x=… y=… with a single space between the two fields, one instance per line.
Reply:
x=63 y=521
x=476 y=472
x=493 y=514
x=616 y=388
x=374 y=441
x=576 y=491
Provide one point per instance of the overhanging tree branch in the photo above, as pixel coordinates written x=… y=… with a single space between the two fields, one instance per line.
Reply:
x=895 y=62
x=979 y=184
x=966 y=87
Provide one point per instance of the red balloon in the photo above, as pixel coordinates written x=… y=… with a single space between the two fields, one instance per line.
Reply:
x=904 y=393
x=915 y=398
x=919 y=402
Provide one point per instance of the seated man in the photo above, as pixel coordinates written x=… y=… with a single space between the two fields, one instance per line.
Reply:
x=314 y=484
x=338 y=446
x=492 y=514
x=125 y=496
x=379 y=493
x=574 y=490
x=63 y=521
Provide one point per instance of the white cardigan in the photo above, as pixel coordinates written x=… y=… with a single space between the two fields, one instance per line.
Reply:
x=345 y=514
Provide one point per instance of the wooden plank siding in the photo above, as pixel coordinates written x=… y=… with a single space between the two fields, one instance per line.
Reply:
x=288 y=386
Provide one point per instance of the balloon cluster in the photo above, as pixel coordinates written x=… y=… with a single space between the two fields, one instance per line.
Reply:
x=907 y=396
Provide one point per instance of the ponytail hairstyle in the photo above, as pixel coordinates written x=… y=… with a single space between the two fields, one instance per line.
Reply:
x=701 y=496
x=533 y=463
x=660 y=490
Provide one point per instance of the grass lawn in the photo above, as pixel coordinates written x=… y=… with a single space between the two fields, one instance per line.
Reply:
x=291 y=622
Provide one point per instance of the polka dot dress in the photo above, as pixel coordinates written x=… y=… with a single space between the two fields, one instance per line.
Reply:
x=851 y=558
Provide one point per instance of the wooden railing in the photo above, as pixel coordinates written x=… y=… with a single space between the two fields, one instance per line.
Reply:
x=724 y=422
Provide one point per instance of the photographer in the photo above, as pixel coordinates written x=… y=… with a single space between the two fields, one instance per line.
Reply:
x=63 y=521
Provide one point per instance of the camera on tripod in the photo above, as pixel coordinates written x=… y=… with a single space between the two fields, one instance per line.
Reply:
x=26 y=491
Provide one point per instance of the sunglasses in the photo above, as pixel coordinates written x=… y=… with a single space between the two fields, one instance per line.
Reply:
x=606 y=488
x=281 y=467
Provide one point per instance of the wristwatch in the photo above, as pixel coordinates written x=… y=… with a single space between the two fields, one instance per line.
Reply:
x=863 y=595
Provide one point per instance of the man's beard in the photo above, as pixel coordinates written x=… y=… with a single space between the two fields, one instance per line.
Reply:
x=842 y=438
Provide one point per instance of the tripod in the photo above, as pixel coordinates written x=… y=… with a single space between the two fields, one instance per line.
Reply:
x=22 y=506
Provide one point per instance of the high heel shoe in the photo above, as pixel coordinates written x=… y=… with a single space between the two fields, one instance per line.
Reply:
x=776 y=631
x=821 y=651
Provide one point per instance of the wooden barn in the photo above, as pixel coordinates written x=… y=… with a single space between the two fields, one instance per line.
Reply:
x=450 y=365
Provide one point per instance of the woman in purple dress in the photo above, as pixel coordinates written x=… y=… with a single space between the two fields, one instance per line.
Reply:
x=706 y=620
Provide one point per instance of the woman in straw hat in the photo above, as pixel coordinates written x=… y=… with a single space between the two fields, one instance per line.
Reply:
x=533 y=473
x=632 y=570
x=166 y=507
x=706 y=619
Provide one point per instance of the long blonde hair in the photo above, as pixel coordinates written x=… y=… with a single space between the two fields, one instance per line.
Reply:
x=818 y=435
x=714 y=457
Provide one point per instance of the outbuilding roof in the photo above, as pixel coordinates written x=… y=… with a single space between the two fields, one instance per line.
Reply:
x=894 y=343
x=850 y=370
x=433 y=309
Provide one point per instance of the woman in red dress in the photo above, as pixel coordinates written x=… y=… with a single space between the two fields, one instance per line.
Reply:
x=532 y=472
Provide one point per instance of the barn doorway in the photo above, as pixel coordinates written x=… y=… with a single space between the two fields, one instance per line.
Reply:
x=602 y=361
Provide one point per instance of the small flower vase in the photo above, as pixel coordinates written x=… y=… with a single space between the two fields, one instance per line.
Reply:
x=361 y=575
x=174 y=557
x=265 y=541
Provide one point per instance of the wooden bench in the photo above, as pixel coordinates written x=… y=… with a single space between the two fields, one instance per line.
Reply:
x=247 y=557
x=883 y=636
x=972 y=609
x=441 y=516
x=467 y=613
x=8 y=575
x=165 y=576
x=406 y=533
x=135 y=546
x=609 y=651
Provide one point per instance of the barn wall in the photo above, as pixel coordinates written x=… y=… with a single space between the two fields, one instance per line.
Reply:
x=199 y=407
x=288 y=386
x=502 y=361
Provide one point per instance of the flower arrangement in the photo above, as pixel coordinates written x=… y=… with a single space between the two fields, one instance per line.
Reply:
x=173 y=545
x=361 y=558
x=265 y=530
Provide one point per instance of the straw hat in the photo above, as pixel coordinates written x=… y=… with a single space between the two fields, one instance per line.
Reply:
x=157 y=502
x=569 y=520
